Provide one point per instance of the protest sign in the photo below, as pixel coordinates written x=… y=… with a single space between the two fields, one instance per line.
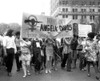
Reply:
x=84 y=30
x=45 y=24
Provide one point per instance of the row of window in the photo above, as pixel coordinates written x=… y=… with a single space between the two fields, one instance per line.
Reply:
x=76 y=10
x=92 y=17
x=64 y=2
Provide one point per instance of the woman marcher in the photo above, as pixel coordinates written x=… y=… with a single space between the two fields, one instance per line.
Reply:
x=91 y=53
x=49 y=55
x=9 y=50
x=66 y=55
x=25 y=56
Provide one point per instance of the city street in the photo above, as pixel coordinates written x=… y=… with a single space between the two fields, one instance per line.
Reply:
x=46 y=32
x=60 y=75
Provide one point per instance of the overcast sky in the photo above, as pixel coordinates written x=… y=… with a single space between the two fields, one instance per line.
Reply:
x=12 y=10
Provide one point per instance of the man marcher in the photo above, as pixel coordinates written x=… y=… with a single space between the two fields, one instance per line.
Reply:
x=82 y=59
x=37 y=55
x=66 y=55
x=18 y=53
x=74 y=44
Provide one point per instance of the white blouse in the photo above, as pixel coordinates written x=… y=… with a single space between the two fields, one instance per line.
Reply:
x=9 y=42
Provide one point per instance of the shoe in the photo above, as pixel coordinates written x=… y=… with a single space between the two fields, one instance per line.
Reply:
x=9 y=74
x=49 y=71
x=24 y=76
x=46 y=71
x=28 y=73
x=89 y=75
x=97 y=78
x=84 y=69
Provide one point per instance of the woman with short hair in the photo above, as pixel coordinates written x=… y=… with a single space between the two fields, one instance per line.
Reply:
x=91 y=49
x=9 y=50
x=25 y=56
x=49 y=55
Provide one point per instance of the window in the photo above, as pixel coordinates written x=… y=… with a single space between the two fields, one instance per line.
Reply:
x=83 y=10
x=92 y=17
x=73 y=2
x=98 y=3
x=60 y=2
x=74 y=10
x=66 y=2
x=98 y=10
x=83 y=3
x=75 y=17
x=66 y=16
x=83 y=17
x=92 y=10
x=66 y=9
x=63 y=16
x=92 y=2
x=63 y=9
x=63 y=2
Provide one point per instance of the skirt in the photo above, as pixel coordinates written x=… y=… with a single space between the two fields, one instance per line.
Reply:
x=49 y=52
x=25 y=57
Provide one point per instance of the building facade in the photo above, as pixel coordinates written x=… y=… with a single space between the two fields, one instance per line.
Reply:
x=79 y=11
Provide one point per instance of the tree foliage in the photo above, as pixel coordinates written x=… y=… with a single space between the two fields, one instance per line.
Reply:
x=4 y=27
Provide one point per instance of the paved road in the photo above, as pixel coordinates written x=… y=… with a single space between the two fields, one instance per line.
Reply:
x=60 y=75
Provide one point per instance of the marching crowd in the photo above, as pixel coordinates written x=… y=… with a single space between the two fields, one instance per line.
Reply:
x=45 y=54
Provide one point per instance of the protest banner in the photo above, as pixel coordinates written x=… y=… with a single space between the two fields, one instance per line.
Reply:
x=67 y=27
x=84 y=30
x=48 y=26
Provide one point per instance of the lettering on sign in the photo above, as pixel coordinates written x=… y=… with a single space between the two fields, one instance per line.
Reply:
x=55 y=28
